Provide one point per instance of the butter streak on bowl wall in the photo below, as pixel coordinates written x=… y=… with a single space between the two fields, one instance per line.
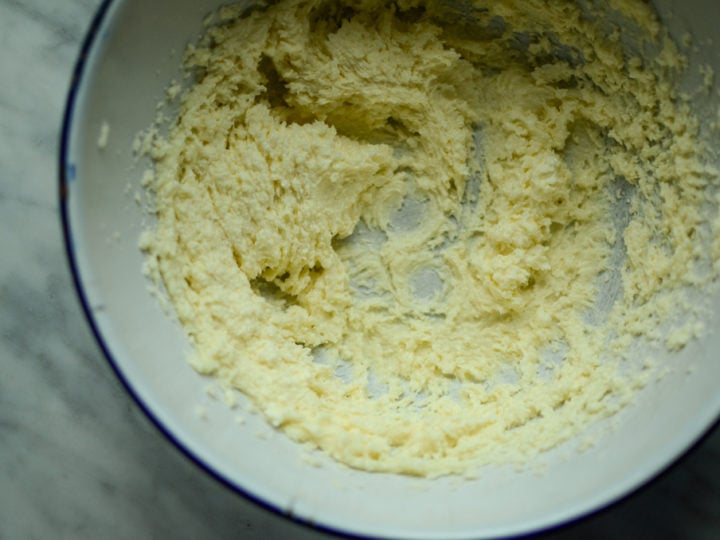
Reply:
x=119 y=85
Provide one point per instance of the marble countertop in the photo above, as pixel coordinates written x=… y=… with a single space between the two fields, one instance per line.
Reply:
x=78 y=459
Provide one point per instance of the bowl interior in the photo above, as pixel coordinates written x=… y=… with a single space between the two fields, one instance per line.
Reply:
x=134 y=51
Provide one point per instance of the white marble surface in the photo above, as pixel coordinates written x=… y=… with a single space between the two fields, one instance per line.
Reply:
x=77 y=457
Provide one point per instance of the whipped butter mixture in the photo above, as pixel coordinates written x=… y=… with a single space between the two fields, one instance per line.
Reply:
x=421 y=235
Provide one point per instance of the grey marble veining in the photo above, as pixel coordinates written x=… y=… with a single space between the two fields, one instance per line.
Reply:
x=77 y=457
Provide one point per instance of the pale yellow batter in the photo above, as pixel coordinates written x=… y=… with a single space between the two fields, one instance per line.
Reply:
x=391 y=224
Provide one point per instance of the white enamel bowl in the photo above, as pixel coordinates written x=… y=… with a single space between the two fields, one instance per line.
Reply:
x=132 y=51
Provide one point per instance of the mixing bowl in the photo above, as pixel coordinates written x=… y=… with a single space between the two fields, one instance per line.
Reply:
x=133 y=49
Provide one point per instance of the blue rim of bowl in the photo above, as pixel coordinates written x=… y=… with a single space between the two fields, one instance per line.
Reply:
x=63 y=196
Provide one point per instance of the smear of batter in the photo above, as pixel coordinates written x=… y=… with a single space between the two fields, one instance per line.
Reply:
x=421 y=235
